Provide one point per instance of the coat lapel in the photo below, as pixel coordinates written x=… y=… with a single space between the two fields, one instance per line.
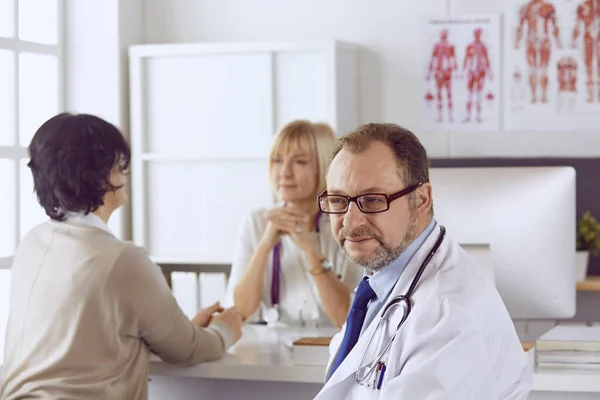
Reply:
x=351 y=364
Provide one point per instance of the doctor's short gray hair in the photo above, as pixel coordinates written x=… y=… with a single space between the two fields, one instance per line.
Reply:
x=411 y=156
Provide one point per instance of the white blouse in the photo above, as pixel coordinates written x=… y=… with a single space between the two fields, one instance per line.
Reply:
x=299 y=297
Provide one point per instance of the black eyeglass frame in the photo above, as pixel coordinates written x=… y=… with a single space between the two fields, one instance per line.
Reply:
x=354 y=199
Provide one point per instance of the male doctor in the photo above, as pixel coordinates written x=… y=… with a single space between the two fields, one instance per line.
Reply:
x=458 y=341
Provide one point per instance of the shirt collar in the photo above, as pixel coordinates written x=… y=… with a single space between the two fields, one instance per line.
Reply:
x=89 y=219
x=384 y=280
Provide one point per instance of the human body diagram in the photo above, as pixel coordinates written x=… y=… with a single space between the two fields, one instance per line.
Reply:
x=441 y=66
x=539 y=16
x=460 y=57
x=476 y=67
x=587 y=29
x=567 y=83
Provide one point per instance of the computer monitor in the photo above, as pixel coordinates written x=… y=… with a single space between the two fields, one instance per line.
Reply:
x=527 y=216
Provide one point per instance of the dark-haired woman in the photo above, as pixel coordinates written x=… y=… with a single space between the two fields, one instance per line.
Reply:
x=86 y=308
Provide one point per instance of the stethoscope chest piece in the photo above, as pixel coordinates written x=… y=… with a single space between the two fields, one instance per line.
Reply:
x=271 y=315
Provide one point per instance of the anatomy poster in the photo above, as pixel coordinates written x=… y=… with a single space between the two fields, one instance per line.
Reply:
x=461 y=63
x=552 y=65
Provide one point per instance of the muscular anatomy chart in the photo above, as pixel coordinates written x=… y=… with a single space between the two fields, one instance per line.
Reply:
x=537 y=19
x=442 y=66
x=567 y=83
x=477 y=68
x=552 y=68
x=587 y=25
x=459 y=91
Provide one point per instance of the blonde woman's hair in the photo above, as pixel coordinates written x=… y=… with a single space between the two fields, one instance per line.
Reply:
x=317 y=138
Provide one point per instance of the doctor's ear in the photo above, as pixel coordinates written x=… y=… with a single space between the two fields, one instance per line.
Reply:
x=424 y=198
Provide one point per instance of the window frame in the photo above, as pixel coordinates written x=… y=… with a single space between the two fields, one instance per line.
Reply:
x=15 y=152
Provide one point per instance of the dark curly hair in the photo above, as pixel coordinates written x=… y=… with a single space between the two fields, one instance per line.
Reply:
x=71 y=159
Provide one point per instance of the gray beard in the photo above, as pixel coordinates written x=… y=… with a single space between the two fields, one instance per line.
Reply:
x=385 y=254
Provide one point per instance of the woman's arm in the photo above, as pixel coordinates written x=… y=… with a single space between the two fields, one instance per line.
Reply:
x=335 y=294
x=149 y=311
x=246 y=282
x=247 y=293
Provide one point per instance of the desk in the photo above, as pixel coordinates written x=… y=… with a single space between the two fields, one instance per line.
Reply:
x=260 y=366
x=591 y=284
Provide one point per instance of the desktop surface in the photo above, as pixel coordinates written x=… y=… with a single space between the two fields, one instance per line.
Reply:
x=263 y=353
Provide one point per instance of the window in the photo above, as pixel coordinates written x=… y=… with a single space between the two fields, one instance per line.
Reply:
x=30 y=93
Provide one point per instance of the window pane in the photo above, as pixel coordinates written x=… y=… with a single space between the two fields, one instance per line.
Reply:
x=5 y=275
x=38 y=21
x=7 y=18
x=7 y=88
x=38 y=92
x=7 y=208
x=31 y=213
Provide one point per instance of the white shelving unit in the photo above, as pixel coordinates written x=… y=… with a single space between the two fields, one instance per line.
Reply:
x=202 y=121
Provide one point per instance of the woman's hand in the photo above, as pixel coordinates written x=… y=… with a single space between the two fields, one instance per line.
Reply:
x=232 y=318
x=306 y=239
x=270 y=237
x=204 y=316
x=297 y=224
x=280 y=221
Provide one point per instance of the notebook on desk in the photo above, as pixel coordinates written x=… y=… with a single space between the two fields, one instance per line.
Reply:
x=570 y=337
x=313 y=341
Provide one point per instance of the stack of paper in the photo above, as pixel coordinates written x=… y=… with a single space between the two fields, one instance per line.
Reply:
x=569 y=347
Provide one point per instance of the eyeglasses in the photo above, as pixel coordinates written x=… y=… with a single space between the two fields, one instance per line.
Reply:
x=369 y=203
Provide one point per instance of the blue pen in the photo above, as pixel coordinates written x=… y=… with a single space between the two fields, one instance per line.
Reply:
x=381 y=376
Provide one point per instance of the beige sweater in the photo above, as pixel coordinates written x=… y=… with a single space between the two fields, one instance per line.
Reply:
x=86 y=311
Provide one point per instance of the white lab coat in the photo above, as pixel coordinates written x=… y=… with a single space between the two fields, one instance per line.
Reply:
x=458 y=342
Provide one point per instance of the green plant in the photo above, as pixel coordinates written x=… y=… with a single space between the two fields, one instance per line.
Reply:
x=588 y=234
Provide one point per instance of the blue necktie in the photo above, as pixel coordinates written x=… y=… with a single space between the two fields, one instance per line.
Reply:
x=355 y=321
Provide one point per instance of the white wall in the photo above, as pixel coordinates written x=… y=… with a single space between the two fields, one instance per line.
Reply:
x=97 y=36
x=389 y=65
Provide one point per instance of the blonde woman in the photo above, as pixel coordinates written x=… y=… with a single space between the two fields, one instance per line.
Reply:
x=288 y=267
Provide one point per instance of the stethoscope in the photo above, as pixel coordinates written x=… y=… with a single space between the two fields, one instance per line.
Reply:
x=272 y=314
x=394 y=304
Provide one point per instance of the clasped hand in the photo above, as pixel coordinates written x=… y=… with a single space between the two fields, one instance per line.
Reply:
x=297 y=224
x=215 y=313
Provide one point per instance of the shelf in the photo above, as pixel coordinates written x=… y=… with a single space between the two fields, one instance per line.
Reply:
x=199 y=159
x=591 y=284
x=209 y=260
x=193 y=49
